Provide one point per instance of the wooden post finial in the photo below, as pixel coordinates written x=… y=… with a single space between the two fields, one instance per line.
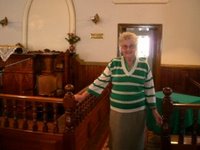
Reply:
x=167 y=91
x=69 y=88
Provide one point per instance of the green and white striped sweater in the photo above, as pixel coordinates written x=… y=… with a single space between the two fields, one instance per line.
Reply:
x=131 y=90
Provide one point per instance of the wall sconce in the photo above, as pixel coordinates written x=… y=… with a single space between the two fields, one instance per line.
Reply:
x=95 y=18
x=4 y=22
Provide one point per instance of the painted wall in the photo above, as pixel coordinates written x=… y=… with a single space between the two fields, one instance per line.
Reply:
x=47 y=25
x=13 y=10
x=180 y=20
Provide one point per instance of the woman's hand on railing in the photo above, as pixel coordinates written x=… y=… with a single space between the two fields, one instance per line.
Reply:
x=81 y=96
x=157 y=117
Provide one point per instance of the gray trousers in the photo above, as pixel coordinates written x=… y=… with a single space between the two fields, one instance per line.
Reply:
x=127 y=130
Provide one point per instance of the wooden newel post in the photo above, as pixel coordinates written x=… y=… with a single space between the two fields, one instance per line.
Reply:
x=70 y=105
x=167 y=107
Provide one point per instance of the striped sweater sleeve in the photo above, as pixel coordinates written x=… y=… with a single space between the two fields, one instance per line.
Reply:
x=149 y=89
x=97 y=87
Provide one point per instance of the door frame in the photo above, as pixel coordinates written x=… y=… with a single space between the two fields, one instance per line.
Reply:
x=157 y=28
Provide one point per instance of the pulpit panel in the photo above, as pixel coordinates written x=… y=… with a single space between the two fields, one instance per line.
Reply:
x=18 y=75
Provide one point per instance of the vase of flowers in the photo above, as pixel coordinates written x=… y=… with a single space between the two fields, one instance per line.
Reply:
x=72 y=40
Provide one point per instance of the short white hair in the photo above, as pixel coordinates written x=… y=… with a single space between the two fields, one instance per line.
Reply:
x=126 y=36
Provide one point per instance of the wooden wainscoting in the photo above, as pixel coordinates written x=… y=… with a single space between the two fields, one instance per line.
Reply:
x=85 y=72
x=178 y=77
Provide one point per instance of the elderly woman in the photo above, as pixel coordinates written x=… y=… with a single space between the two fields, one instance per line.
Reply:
x=132 y=91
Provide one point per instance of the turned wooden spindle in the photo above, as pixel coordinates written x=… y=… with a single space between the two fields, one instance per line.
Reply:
x=15 y=123
x=5 y=114
x=25 y=121
x=34 y=115
x=181 y=133
x=55 y=128
x=195 y=126
x=167 y=107
x=45 y=127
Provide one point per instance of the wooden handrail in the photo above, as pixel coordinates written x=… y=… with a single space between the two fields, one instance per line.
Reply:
x=193 y=106
x=31 y=98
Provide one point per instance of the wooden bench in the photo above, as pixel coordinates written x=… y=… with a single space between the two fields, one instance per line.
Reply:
x=180 y=141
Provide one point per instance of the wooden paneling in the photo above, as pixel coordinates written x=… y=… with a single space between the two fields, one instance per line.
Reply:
x=178 y=78
x=85 y=72
x=73 y=70
x=18 y=75
x=175 y=76
x=22 y=140
x=26 y=74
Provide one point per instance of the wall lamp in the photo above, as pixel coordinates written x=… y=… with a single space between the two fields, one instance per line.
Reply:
x=95 y=18
x=4 y=21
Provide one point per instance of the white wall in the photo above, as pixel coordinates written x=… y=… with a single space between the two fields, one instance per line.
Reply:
x=181 y=38
x=48 y=25
x=111 y=15
x=13 y=10
x=180 y=19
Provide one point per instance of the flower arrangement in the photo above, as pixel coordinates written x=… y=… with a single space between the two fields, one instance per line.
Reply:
x=72 y=38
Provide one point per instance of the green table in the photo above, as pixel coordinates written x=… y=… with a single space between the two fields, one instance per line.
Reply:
x=174 y=121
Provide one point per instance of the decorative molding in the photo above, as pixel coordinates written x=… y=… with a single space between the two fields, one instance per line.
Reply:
x=140 y=1
x=25 y=23
x=72 y=15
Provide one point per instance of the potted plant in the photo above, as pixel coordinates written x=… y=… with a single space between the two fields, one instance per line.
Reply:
x=72 y=40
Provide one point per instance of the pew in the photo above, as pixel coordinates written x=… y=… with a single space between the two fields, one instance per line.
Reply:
x=35 y=122
x=181 y=141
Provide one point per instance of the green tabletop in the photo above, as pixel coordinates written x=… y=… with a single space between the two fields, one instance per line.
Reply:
x=174 y=121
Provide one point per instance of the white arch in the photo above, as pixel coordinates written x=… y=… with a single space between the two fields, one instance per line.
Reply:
x=71 y=13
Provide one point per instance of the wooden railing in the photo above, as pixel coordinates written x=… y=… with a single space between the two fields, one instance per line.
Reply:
x=19 y=110
x=75 y=124
x=166 y=135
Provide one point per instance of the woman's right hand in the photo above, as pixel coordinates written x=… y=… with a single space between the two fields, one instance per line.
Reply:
x=81 y=96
